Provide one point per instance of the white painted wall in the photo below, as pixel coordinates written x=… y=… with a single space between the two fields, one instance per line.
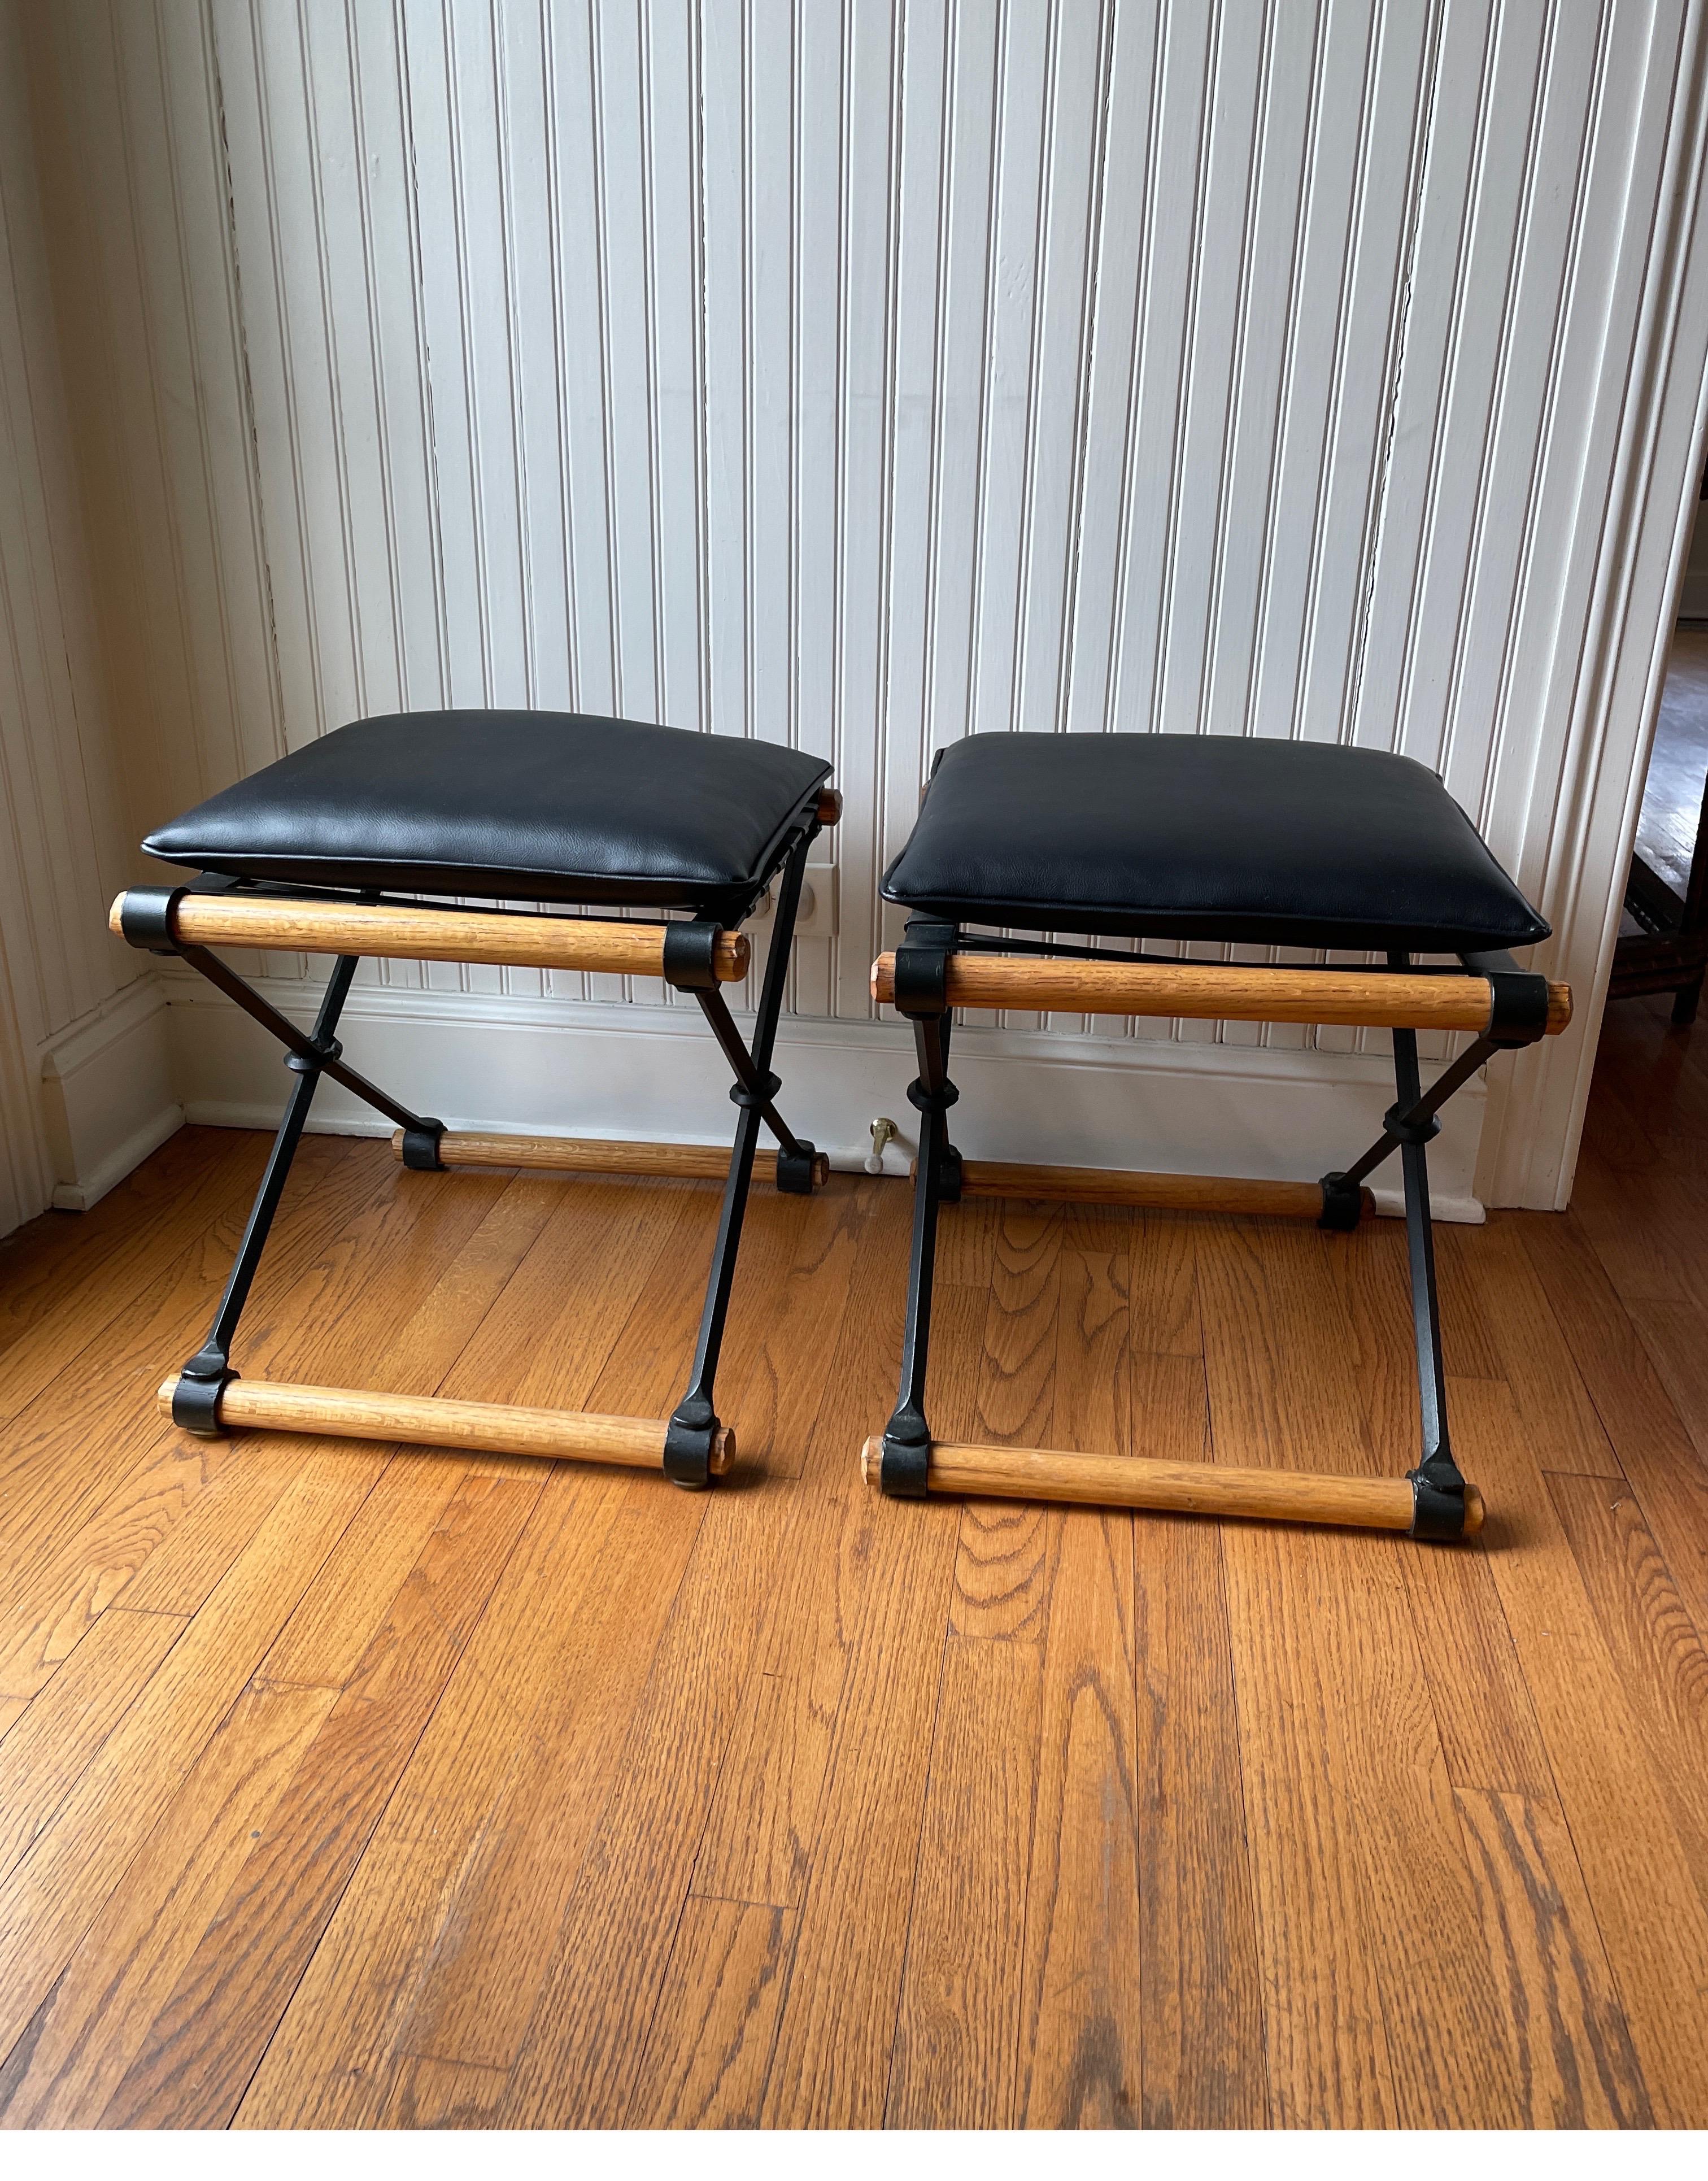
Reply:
x=867 y=375
x=85 y=1087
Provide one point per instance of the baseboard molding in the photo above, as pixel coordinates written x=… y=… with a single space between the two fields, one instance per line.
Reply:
x=652 y=1075
x=108 y=1098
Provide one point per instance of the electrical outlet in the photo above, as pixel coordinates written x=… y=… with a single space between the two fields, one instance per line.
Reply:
x=816 y=917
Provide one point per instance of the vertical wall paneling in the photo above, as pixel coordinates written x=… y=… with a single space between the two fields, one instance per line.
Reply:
x=866 y=374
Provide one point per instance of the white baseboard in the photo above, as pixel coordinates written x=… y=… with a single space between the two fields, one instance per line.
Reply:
x=548 y=1066
x=108 y=1098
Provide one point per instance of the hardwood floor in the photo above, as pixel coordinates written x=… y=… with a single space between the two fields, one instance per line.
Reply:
x=342 y=1786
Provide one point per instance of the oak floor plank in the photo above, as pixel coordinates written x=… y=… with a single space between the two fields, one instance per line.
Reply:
x=956 y=2061
x=1576 y=2065
x=1482 y=1704
x=1655 y=1646
x=759 y=1825
x=56 y=1891
x=1082 y=1978
x=1002 y=1564
x=1162 y=1280
x=1264 y=1298
x=785 y=1317
x=444 y=2094
x=211 y=2028
x=578 y=2054
x=475 y=1860
x=881 y=1576
x=1638 y=1227
x=58 y=1731
x=95 y=1533
x=706 y=2060
x=56 y=1318
x=1201 y=2030
x=469 y=1869
x=1536 y=1359
x=101 y=2008
x=1651 y=1920
x=1667 y=1464
x=615 y=1954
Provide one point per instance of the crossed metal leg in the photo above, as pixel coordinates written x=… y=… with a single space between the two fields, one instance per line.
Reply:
x=693 y=1445
x=1432 y=1501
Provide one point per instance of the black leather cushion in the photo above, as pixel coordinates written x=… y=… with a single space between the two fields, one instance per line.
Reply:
x=1206 y=836
x=519 y=806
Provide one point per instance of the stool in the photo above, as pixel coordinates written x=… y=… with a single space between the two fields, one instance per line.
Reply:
x=326 y=852
x=1200 y=837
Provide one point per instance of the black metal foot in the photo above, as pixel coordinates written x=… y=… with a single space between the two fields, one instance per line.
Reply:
x=1343 y=1203
x=421 y=1147
x=1438 y=1499
x=906 y=1454
x=197 y=1396
x=795 y=1169
x=688 y=1444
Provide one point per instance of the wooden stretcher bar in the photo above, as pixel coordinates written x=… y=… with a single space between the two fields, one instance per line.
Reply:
x=434 y=935
x=1185 y=1488
x=1154 y=1192
x=467 y=1427
x=1214 y=992
x=577 y=1154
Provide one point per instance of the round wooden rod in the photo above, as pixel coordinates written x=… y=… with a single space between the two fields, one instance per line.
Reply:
x=1156 y=1192
x=1185 y=1488
x=434 y=935
x=1209 y=993
x=579 y=1155
x=469 y=1426
x=829 y=808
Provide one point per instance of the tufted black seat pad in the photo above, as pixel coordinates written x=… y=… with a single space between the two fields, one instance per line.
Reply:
x=528 y=806
x=1206 y=836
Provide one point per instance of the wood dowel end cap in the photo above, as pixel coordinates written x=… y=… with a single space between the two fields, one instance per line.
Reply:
x=723 y=1451
x=397 y=1143
x=872 y=1462
x=1474 y=1511
x=733 y=958
x=829 y=808
x=821 y=1169
x=167 y=1391
x=1559 y=1008
x=115 y=916
x=884 y=979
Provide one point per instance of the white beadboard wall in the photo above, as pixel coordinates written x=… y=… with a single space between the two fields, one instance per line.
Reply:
x=866 y=375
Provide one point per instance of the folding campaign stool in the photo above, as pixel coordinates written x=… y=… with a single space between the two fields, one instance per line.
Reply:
x=539 y=807
x=1200 y=837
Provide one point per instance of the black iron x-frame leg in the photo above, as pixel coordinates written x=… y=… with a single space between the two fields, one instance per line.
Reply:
x=694 y=1425
x=147 y=921
x=1519 y=1018
x=922 y=963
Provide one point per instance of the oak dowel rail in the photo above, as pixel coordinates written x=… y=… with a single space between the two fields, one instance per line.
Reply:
x=469 y=1426
x=587 y=1154
x=1213 y=993
x=1185 y=1488
x=1153 y=1192
x=433 y=934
